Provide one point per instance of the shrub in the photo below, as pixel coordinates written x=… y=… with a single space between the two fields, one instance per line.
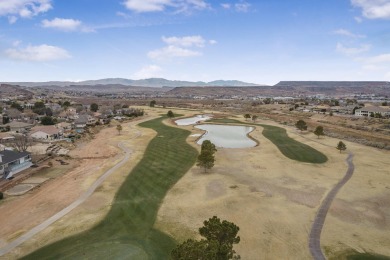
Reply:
x=1 y=195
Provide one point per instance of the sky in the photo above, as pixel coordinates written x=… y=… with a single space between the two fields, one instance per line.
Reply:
x=260 y=41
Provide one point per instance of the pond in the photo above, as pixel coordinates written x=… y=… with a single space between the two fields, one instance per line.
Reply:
x=192 y=120
x=227 y=136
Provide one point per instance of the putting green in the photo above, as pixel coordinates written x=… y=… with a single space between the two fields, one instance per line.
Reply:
x=127 y=231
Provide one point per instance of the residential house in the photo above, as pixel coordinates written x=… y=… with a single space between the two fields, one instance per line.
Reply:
x=81 y=123
x=13 y=162
x=48 y=132
x=347 y=110
x=6 y=137
x=321 y=109
x=19 y=127
x=64 y=126
x=369 y=110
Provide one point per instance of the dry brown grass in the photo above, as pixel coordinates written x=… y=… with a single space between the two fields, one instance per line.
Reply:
x=274 y=200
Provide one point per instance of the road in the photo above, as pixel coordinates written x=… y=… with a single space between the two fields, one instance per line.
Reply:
x=32 y=232
x=318 y=224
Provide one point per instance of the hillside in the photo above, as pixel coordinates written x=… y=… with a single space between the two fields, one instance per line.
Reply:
x=333 y=84
x=11 y=90
x=287 y=89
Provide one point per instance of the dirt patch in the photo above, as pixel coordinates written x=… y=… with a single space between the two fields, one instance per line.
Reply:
x=20 y=189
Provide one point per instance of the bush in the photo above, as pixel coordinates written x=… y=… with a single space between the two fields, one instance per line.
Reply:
x=1 y=195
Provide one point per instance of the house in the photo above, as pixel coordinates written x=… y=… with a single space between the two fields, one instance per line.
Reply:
x=321 y=109
x=81 y=123
x=13 y=162
x=369 y=110
x=64 y=126
x=19 y=127
x=48 y=132
x=5 y=138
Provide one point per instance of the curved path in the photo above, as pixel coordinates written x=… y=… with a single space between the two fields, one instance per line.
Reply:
x=35 y=230
x=315 y=233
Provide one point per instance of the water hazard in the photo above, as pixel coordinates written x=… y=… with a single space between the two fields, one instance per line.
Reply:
x=227 y=136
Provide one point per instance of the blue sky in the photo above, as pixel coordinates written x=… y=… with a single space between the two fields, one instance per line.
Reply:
x=255 y=41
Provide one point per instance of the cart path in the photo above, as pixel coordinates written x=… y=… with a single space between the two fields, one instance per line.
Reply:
x=315 y=232
x=35 y=230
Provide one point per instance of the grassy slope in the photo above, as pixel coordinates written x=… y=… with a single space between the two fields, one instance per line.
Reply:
x=127 y=231
x=287 y=146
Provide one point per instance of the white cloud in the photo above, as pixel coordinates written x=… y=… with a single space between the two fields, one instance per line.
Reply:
x=242 y=6
x=141 y=6
x=187 y=41
x=38 y=53
x=12 y=19
x=23 y=8
x=351 y=51
x=382 y=58
x=150 y=71
x=358 y=19
x=226 y=6
x=372 y=67
x=347 y=33
x=180 y=47
x=373 y=9
x=62 y=24
x=172 y=51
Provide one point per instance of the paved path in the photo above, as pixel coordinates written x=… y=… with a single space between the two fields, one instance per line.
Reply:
x=32 y=232
x=315 y=233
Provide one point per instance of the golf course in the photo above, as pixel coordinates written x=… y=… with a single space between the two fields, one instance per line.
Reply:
x=127 y=230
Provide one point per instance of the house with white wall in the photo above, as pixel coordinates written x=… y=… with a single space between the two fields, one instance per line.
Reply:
x=48 y=132
x=13 y=162
x=367 y=111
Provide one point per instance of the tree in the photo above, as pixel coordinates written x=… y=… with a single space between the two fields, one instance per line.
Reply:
x=5 y=120
x=206 y=157
x=48 y=111
x=170 y=114
x=47 y=120
x=206 y=160
x=17 y=106
x=94 y=107
x=119 y=129
x=301 y=125
x=152 y=103
x=220 y=238
x=267 y=101
x=341 y=146
x=21 y=143
x=354 y=109
x=247 y=116
x=254 y=118
x=384 y=104
x=66 y=104
x=207 y=145
x=1 y=195
x=319 y=131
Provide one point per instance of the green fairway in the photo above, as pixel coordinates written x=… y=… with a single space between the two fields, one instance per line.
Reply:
x=287 y=146
x=127 y=231
x=367 y=256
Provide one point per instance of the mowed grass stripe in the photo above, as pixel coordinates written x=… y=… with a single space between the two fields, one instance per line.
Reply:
x=289 y=147
x=127 y=230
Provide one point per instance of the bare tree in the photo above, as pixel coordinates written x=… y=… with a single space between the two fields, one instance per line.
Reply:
x=21 y=143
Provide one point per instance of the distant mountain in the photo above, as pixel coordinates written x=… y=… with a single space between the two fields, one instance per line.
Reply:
x=333 y=84
x=151 y=82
